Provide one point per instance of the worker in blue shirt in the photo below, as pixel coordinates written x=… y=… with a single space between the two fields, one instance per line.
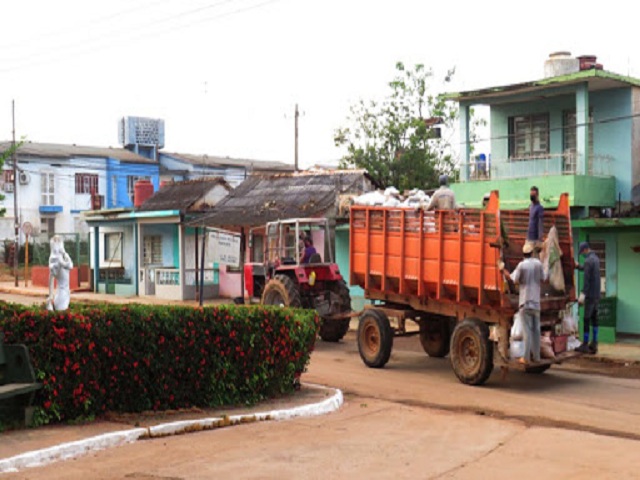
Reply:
x=590 y=297
x=535 y=232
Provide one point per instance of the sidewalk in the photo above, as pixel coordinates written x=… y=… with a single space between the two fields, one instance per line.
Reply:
x=42 y=292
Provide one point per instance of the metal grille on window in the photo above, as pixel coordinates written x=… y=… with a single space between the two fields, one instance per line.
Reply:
x=152 y=250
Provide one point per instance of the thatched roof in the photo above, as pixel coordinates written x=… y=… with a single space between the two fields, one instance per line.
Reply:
x=182 y=195
x=261 y=199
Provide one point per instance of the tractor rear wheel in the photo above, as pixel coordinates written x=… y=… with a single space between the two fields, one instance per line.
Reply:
x=335 y=330
x=375 y=338
x=435 y=337
x=472 y=352
x=281 y=291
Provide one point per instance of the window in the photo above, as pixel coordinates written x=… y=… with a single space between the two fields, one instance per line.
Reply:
x=528 y=136
x=47 y=188
x=152 y=250
x=113 y=247
x=570 y=137
x=7 y=180
x=257 y=248
x=87 y=183
x=48 y=225
x=131 y=182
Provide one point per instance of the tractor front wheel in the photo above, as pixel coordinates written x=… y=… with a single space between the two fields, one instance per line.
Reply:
x=281 y=291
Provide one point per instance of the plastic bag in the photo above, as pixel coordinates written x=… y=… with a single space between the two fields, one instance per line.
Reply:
x=516 y=349
x=569 y=325
x=572 y=343
x=551 y=258
x=517 y=330
x=546 y=347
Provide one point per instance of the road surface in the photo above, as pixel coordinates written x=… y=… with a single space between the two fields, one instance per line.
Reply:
x=412 y=419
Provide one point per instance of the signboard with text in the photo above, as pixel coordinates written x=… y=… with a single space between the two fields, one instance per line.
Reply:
x=225 y=248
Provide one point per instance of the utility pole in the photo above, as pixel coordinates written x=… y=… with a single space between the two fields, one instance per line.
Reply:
x=296 y=116
x=15 y=193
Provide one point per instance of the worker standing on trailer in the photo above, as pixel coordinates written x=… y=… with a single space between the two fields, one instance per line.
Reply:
x=590 y=297
x=309 y=250
x=443 y=198
x=535 y=232
x=529 y=274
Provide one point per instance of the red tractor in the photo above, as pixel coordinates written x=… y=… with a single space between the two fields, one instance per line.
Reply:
x=287 y=278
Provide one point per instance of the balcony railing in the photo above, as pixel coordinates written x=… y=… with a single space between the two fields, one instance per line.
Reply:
x=549 y=165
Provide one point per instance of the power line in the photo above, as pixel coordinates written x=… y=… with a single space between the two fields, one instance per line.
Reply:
x=94 y=49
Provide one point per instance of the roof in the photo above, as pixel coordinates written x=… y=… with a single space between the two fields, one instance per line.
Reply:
x=217 y=161
x=66 y=151
x=181 y=195
x=261 y=199
x=596 y=79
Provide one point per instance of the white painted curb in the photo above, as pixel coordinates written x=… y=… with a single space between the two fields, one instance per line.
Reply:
x=69 y=450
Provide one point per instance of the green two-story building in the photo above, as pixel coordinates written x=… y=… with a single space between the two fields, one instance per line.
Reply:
x=578 y=131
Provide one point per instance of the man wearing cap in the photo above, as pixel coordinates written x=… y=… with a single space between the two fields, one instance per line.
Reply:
x=528 y=275
x=590 y=297
x=443 y=198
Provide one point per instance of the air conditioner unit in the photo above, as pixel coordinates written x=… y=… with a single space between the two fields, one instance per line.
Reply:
x=8 y=187
x=24 y=178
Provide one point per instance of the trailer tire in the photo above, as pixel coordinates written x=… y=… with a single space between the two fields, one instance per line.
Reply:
x=471 y=352
x=538 y=369
x=375 y=338
x=435 y=337
x=281 y=291
x=335 y=330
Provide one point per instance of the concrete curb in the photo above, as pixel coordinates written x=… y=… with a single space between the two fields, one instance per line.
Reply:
x=69 y=450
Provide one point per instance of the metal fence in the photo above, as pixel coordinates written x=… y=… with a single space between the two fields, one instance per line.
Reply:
x=75 y=244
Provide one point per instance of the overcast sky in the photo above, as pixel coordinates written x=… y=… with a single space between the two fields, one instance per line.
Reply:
x=225 y=74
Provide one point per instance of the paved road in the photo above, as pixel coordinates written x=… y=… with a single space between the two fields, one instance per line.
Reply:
x=410 y=420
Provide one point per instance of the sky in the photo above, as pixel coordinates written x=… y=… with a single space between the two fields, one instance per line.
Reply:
x=225 y=75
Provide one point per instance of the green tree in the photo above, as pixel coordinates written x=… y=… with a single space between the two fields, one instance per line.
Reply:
x=394 y=139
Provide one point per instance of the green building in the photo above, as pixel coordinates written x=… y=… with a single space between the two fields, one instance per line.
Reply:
x=578 y=131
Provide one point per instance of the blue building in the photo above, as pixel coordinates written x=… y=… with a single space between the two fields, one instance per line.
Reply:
x=578 y=131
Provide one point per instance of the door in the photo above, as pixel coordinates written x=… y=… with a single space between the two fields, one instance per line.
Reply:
x=628 y=272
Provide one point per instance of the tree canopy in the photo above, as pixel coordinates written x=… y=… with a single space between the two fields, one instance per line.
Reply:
x=397 y=139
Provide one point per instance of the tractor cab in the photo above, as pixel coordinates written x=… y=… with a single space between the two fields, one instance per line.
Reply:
x=298 y=271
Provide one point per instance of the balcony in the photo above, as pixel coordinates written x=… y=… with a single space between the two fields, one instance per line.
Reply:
x=553 y=175
x=527 y=167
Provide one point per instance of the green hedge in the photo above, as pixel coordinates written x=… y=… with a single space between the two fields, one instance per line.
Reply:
x=136 y=357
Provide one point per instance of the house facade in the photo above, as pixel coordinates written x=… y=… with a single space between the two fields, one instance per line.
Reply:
x=148 y=251
x=578 y=131
x=56 y=183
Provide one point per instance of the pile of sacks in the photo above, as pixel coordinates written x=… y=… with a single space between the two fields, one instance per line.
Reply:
x=391 y=198
x=516 y=343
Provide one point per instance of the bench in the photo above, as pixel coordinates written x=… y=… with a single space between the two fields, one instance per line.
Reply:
x=17 y=382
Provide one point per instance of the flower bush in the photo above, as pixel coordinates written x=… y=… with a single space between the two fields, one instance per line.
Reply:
x=132 y=358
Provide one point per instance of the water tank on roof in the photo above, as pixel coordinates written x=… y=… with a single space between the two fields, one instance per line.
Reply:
x=142 y=191
x=141 y=131
x=560 y=63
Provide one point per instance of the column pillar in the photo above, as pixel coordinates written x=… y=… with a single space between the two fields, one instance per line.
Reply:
x=582 y=129
x=465 y=145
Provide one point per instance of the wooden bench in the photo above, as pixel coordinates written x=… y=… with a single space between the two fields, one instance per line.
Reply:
x=17 y=382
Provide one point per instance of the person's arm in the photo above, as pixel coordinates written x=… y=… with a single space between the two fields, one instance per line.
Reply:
x=540 y=223
x=433 y=201
x=588 y=276
x=514 y=277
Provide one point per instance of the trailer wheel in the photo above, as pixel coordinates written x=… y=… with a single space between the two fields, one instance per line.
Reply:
x=335 y=330
x=281 y=291
x=538 y=369
x=375 y=338
x=435 y=337
x=471 y=352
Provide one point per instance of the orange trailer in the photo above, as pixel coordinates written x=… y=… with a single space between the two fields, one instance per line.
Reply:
x=440 y=269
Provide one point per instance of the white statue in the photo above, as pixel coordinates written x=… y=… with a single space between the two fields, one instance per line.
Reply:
x=59 y=267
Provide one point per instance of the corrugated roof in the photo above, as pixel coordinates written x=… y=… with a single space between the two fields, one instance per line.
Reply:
x=596 y=79
x=181 y=195
x=217 y=161
x=59 y=150
x=264 y=198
